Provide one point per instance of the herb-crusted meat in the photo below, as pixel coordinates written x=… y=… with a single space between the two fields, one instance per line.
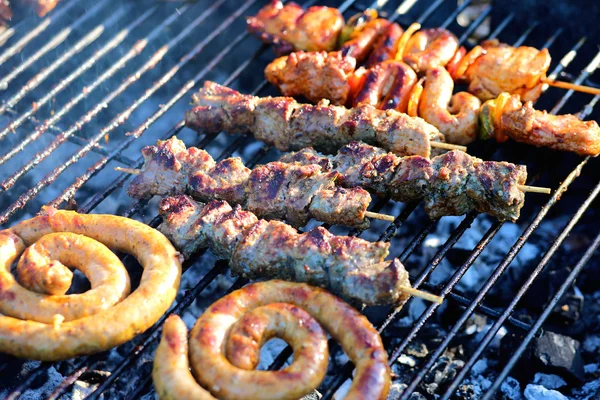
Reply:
x=289 y=125
x=349 y=267
x=291 y=191
x=453 y=183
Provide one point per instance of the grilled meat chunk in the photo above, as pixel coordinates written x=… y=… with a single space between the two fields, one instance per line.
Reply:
x=454 y=183
x=316 y=75
x=504 y=68
x=523 y=123
x=349 y=267
x=290 y=28
x=294 y=192
x=288 y=125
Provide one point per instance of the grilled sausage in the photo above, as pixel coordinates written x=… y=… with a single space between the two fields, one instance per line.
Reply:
x=225 y=341
x=31 y=325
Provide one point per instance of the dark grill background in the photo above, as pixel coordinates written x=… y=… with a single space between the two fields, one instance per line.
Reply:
x=115 y=77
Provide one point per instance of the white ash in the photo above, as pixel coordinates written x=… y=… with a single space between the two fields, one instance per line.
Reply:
x=549 y=381
x=511 y=388
x=590 y=368
x=538 y=392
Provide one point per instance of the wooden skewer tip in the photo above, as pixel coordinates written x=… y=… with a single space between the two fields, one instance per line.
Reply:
x=384 y=217
x=421 y=294
x=131 y=171
x=534 y=189
x=448 y=146
x=571 y=86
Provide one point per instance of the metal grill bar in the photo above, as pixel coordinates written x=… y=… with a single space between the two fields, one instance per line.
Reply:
x=35 y=81
x=41 y=27
x=52 y=44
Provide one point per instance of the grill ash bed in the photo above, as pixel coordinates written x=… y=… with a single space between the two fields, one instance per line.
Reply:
x=85 y=88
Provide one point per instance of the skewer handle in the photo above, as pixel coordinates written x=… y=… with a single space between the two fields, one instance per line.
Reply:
x=131 y=171
x=384 y=217
x=448 y=146
x=571 y=86
x=535 y=189
x=423 y=295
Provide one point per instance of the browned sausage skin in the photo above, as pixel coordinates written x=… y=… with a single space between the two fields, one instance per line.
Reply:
x=39 y=326
x=225 y=341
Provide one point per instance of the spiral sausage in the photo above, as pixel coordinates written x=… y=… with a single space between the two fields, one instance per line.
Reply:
x=430 y=48
x=38 y=321
x=226 y=339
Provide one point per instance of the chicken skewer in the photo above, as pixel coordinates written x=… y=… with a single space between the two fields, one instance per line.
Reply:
x=286 y=191
x=456 y=116
x=288 y=125
x=490 y=68
x=349 y=267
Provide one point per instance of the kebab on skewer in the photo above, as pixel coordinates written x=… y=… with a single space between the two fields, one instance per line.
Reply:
x=288 y=125
x=349 y=267
x=287 y=191
x=392 y=84
x=489 y=69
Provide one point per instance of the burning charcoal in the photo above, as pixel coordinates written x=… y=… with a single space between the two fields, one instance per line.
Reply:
x=465 y=392
x=538 y=392
x=569 y=309
x=560 y=355
x=549 y=381
x=511 y=389
x=551 y=353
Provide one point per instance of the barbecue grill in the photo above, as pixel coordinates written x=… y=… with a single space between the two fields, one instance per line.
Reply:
x=89 y=85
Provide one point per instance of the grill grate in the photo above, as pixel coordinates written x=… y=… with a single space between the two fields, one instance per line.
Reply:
x=166 y=71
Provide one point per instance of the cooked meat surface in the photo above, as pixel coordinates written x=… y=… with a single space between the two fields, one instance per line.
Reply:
x=523 y=123
x=430 y=48
x=504 y=68
x=291 y=191
x=349 y=267
x=289 y=125
x=361 y=42
x=454 y=183
x=290 y=28
x=315 y=75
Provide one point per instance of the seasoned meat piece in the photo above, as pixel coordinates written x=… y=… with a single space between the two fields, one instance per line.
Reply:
x=452 y=173
x=348 y=206
x=266 y=190
x=497 y=191
x=308 y=155
x=288 y=125
x=316 y=76
x=224 y=181
x=460 y=184
x=456 y=116
x=361 y=42
x=503 y=68
x=430 y=48
x=290 y=28
x=167 y=167
x=307 y=183
x=411 y=180
x=180 y=223
x=523 y=123
x=386 y=45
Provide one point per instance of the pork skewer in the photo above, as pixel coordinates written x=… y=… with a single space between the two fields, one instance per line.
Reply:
x=288 y=125
x=349 y=267
x=454 y=183
x=288 y=191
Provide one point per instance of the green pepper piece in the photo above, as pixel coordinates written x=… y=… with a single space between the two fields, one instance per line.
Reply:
x=486 y=119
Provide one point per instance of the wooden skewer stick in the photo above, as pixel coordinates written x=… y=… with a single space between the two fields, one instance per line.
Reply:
x=421 y=294
x=384 y=217
x=572 y=86
x=448 y=146
x=535 y=189
x=131 y=171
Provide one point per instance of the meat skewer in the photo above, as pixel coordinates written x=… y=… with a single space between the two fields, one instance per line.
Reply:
x=288 y=125
x=292 y=192
x=460 y=117
x=454 y=183
x=349 y=267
